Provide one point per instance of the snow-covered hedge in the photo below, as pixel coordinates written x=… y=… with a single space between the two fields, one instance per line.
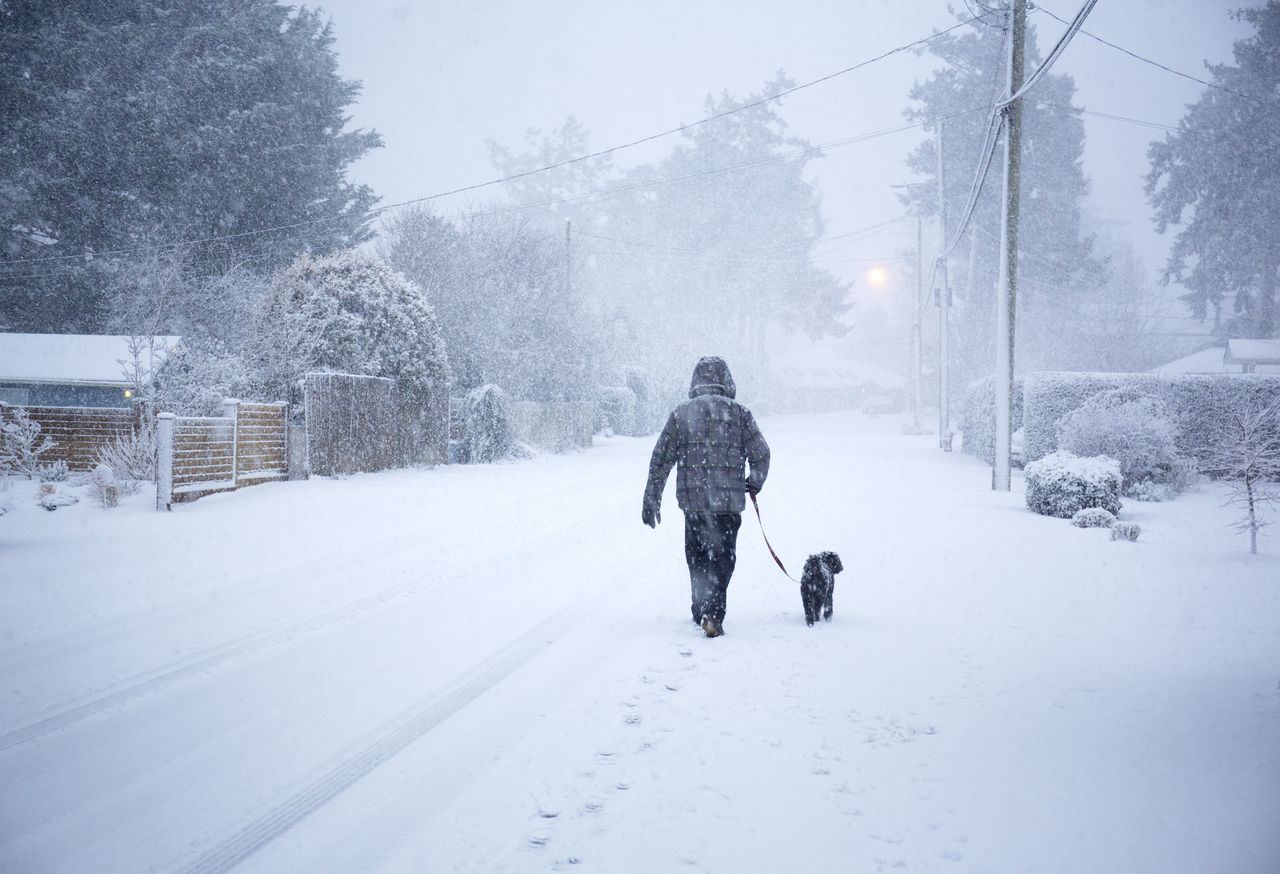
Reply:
x=1061 y=484
x=1192 y=400
x=978 y=417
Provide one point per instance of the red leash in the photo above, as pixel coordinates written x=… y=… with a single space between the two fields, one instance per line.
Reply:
x=777 y=560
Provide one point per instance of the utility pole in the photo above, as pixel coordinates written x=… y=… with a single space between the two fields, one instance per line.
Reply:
x=944 y=308
x=916 y=319
x=1007 y=293
x=568 y=257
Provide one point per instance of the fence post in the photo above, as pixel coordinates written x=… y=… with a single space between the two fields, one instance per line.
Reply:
x=231 y=410
x=164 y=460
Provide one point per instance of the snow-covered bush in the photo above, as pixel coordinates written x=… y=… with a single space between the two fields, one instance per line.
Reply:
x=1136 y=430
x=1192 y=401
x=131 y=456
x=54 y=472
x=648 y=417
x=1125 y=531
x=616 y=409
x=1062 y=484
x=489 y=432
x=21 y=443
x=1093 y=517
x=346 y=313
x=51 y=499
x=978 y=417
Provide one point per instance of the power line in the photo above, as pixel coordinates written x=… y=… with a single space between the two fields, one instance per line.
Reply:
x=515 y=176
x=861 y=234
x=1159 y=65
x=1073 y=27
x=592 y=196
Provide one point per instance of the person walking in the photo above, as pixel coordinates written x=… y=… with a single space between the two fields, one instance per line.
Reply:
x=708 y=438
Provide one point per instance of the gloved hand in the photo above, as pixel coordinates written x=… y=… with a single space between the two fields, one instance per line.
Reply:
x=751 y=488
x=650 y=514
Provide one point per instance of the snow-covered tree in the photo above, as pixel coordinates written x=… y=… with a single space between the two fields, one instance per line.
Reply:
x=506 y=310
x=1217 y=177
x=348 y=312
x=137 y=121
x=1245 y=453
x=21 y=443
x=1057 y=262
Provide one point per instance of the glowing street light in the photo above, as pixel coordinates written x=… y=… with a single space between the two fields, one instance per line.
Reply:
x=877 y=277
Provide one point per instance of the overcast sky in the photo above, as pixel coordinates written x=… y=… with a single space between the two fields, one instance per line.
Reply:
x=440 y=78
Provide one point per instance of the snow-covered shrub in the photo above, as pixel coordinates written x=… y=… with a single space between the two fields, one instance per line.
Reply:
x=978 y=417
x=1093 y=517
x=1192 y=401
x=615 y=409
x=131 y=456
x=1061 y=484
x=648 y=417
x=346 y=313
x=54 y=472
x=489 y=431
x=1136 y=430
x=51 y=499
x=1125 y=531
x=21 y=443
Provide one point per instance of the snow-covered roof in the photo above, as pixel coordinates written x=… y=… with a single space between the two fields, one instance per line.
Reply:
x=1253 y=352
x=1204 y=361
x=826 y=364
x=93 y=359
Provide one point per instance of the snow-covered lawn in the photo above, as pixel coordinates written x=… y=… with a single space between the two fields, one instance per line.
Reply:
x=493 y=669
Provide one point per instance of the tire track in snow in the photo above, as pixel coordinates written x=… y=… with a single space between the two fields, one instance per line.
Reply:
x=388 y=741
x=210 y=658
x=214 y=656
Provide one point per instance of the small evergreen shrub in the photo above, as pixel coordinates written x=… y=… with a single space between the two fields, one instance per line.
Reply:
x=55 y=472
x=616 y=409
x=21 y=443
x=1062 y=484
x=489 y=430
x=1093 y=517
x=1126 y=531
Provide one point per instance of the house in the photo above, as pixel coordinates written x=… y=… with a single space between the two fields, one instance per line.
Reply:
x=1254 y=356
x=1237 y=356
x=75 y=370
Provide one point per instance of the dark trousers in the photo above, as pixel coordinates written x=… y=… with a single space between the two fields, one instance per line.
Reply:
x=711 y=549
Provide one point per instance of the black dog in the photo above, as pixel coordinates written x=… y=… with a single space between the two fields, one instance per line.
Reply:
x=818 y=585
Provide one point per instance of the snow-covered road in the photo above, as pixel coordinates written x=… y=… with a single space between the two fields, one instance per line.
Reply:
x=492 y=668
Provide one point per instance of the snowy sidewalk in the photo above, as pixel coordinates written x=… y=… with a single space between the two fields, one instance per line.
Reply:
x=492 y=668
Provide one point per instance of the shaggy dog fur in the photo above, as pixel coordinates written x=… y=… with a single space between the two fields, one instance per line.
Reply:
x=818 y=585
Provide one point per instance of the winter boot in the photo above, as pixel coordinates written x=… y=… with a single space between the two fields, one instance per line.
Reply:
x=711 y=627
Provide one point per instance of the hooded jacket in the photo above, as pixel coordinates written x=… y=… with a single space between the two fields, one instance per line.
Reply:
x=709 y=439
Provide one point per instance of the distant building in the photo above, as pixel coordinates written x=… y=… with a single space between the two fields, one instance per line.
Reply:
x=817 y=375
x=72 y=370
x=1237 y=356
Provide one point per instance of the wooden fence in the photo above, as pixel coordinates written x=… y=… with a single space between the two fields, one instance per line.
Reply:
x=201 y=455
x=79 y=432
x=361 y=424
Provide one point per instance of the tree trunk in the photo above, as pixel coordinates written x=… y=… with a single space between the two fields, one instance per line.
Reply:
x=1267 y=302
x=1253 y=517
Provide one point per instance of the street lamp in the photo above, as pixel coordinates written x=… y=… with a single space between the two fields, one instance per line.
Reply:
x=917 y=313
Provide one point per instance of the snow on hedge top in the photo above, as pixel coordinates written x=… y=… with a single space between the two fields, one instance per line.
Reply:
x=71 y=358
